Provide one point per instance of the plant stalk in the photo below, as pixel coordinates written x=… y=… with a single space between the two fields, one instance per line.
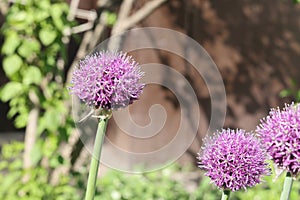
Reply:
x=225 y=194
x=92 y=179
x=287 y=187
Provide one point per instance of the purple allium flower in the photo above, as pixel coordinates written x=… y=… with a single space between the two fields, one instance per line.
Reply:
x=280 y=132
x=233 y=159
x=107 y=80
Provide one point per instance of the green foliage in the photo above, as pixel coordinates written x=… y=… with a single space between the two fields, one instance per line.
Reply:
x=110 y=18
x=11 y=65
x=11 y=90
x=160 y=185
x=293 y=92
x=206 y=191
x=19 y=184
x=33 y=35
x=33 y=44
x=151 y=186
x=270 y=188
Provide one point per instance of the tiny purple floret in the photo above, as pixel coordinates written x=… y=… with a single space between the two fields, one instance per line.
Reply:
x=233 y=159
x=280 y=132
x=107 y=80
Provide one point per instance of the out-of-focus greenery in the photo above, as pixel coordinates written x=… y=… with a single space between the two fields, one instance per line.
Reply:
x=34 y=58
x=114 y=185
x=32 y=52
x=150 y=186
x=292 y=91
x=161 y=185
x=110 y=18
x=296 y=1
x=33 y=183
x=206 y=190
x=270 y=189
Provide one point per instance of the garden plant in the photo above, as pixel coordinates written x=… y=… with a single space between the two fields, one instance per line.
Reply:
x=41 y=78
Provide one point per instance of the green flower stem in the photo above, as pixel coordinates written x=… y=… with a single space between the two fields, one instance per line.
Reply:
x=91 y=185
x=225 y=194
x=287 y=187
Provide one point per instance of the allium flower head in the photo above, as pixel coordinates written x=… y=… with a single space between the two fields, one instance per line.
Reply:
x=107 y=80
x=280 y=132
x=233 y=159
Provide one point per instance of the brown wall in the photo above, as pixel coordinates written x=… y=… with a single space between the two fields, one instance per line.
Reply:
x=255 y=44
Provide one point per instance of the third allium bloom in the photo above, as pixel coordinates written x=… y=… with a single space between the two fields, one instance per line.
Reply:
x=233 y=159
x=280 y=132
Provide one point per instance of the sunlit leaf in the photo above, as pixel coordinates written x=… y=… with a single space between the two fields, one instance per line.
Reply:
x=110 y=18
x=11 y=42
x=36 y=153
x=57 y=11
x=12 y=64
x=285 y=93
x=21 y=120
x=47 y=36
x=32 y=75
x=28 y=47
x=296 y=1
x=11 y=90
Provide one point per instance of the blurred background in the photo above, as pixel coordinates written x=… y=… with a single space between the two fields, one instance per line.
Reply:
x=255 y=45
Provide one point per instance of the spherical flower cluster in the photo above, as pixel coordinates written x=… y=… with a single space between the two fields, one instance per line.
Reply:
x=233 y=159
x=107 y=80
x=280 y=132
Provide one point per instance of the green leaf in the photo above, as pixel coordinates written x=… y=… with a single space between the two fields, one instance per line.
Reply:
x=44 y=5
x=298 y=96
x=36 y=152
x=57 y=11
x=32 y=75
x=285 y=93
x=11 y=42
x=20 y=19
x=296 y=1
x=47 y=36
x=41 y=15
x=12 y=112
x=56 y=161
x=11 y=179
x=50 y=121
x=12 y=64
x=11 y=90
x=4 y=164
x=50 y=145
x=17 y=17
x=21 y=120
x=111 y=18
x=29 y=47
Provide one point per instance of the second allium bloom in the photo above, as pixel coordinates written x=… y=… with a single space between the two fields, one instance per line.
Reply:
x=280 y=132
x=233 y=159
x=107 y=80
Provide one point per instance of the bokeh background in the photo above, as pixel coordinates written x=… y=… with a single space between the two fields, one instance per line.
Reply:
x=255 y=45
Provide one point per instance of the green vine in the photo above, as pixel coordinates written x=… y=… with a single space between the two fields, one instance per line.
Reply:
x=34 y=57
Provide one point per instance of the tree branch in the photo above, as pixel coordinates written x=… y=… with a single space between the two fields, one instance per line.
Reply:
x=124 y=23
x=141 y=14
x=3 y=7
x=73 y=7
x=30 y=136
x=125 y=9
